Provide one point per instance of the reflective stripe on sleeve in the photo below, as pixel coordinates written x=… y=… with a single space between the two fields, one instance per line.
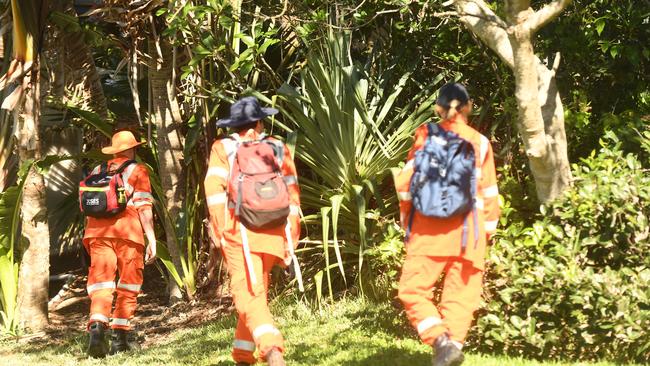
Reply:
x=290 y=179
x=409 y=164
x=243 y=345
x=265 y=329
x=484 y=148
x=479 y=203
x=294 y=210
x=99 y=318
x=478 y=172
x=100 y=286
x=141 y=203
x=217 y=171
x=121 y=321
x=491 y=226
x=142 y=196
x=491 y=191
x=129 y=287
x=404 y=196
x=428 y=323
x=217 y=198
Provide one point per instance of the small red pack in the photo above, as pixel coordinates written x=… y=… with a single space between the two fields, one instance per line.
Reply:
x=103 y=194
x=256 y=189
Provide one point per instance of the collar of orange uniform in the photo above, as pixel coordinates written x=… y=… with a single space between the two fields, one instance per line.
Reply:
x=458 y=118
x=249 y=135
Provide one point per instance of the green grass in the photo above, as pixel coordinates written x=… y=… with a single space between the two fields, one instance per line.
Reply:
x=352 y=332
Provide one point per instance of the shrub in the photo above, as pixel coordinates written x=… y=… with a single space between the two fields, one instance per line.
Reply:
x=575 y=284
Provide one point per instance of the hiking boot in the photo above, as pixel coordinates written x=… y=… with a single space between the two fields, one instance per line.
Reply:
x=97 y=343
x=274 y=358
x=446 y=352
x=120 y=342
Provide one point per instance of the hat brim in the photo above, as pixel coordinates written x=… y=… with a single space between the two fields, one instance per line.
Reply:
x=109 y=150
x=229 y=122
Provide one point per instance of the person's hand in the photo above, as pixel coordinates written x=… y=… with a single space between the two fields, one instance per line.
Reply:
x=150 y=253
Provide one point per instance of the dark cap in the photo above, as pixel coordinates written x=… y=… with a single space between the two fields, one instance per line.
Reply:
x=452 y=91
x=244 y=111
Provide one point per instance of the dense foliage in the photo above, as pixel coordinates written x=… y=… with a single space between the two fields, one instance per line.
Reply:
x=574 y=284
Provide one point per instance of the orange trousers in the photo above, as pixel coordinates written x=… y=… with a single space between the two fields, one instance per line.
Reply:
x=461 y=296
x=255 y=326
x=107 y=257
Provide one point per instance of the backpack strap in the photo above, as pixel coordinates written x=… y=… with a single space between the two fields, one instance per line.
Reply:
x=103 y=168
x=125 y=164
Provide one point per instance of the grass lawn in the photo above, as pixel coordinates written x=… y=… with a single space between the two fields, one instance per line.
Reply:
x=348 y=333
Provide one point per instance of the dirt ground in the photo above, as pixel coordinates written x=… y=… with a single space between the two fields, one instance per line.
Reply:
x=154 y=320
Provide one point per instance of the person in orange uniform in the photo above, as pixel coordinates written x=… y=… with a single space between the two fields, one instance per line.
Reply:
x=116 y=246
x=251 y=254
x=434 y=245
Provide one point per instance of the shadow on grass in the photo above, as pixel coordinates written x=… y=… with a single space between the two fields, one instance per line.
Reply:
x=392 y=356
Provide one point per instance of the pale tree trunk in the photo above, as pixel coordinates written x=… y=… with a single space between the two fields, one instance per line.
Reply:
x=540 y=111
x=35 y=263
x=167 y=118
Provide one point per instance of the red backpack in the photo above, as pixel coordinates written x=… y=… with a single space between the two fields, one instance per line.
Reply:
x=103 y=194
x=256 y=188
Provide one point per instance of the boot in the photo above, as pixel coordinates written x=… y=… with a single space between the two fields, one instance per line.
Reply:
x=120 y=342
x=274 y=358
x=97 y=343
x=446 y=353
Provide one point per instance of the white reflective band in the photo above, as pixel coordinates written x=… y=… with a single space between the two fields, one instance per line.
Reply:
x=126 y=175
x=99 y=286
x=142 y=195
x=265 y=329
x=478 y=172
x=141 y=203
x=427 y=323
x=129 y=287
x=491 y=191
x=479 y=203
x=216 y=199
x=404 y=196
x=290 y=179
x=491 y=226
x=294 y=210
x=243 y=345
x=99 y=317
x=120 y=321
x=217 y=171
x=409 y=164
x=484 y=148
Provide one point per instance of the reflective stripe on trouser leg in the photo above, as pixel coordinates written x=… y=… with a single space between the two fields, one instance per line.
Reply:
x=294 y=259
x=419 y=275
x=101 y=278
x=461 y=297
x=248 y=262
x=243 y=347
x=130 y=263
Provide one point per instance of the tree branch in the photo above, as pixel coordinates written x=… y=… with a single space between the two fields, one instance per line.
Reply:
x=546 y=14
x=475 y=15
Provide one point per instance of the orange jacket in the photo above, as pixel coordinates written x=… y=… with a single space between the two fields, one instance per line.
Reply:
x=125 y=225
x=224 y=223
x=442 y=237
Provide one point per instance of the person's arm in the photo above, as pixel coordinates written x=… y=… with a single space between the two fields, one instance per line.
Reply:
x=403 y=178
x=215 y=184
x=146 y=219
x=290 y=177
x=143 y=201
x=489 y=192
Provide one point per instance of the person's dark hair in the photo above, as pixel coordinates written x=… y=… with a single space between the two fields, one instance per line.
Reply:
x=452 y=97
x=245 y=127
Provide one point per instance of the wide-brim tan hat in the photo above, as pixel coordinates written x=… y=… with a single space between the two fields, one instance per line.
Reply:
x=121 y=141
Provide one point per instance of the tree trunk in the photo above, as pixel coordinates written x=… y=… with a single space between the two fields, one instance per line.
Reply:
x=540 y=111
x=167 y=118
x=33 y=278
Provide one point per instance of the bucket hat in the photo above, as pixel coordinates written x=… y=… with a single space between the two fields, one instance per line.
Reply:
x=121 y=141
x=245 y=110
x=451 y=91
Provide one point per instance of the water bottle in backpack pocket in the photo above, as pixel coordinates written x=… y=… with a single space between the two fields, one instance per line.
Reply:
x=444 y=179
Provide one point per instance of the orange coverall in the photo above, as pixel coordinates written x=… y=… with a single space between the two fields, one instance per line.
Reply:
x=434 y=246
x=116 y=244
x=250 y=254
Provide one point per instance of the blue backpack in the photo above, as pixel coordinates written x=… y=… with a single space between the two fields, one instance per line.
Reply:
x=444 y=179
